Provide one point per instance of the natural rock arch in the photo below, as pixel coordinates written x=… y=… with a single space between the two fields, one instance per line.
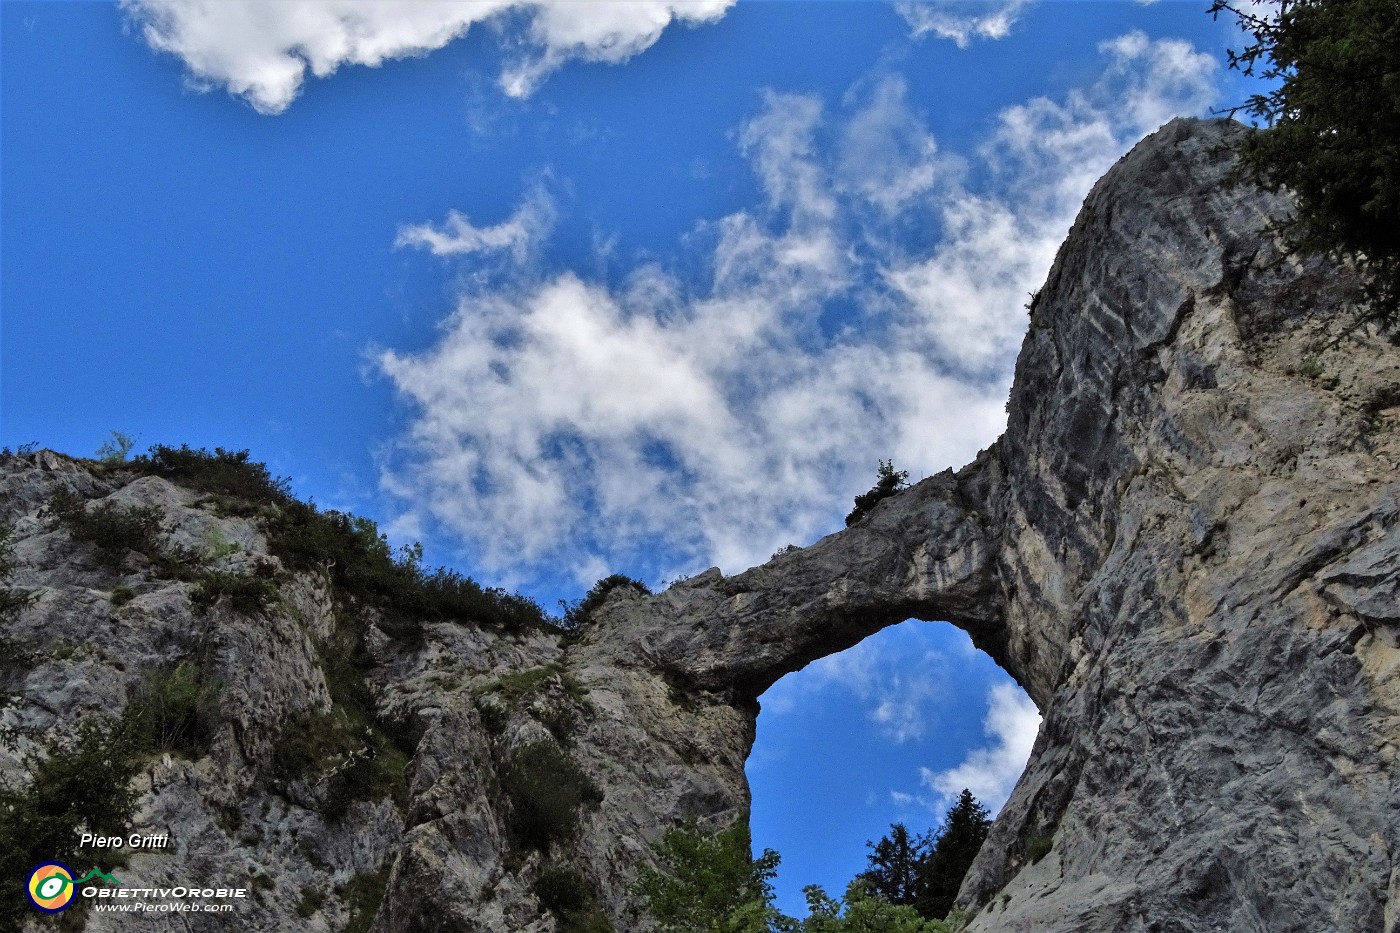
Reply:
x=1185 y=547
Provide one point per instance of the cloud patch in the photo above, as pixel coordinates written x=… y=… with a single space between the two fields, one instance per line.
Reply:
x=666 y=424
x=959 y=20
x=894 y=689
x=262 y=50
x=457 y=236
x=991 y=772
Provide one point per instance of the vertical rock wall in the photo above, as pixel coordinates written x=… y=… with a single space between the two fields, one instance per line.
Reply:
x=1185 y=547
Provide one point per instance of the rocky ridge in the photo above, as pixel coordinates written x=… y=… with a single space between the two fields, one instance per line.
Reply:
x=1184 y=547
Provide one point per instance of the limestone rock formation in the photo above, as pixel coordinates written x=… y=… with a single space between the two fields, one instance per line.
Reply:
x=1185 y=547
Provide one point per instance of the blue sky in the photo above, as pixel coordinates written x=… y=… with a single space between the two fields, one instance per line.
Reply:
x=572 y=288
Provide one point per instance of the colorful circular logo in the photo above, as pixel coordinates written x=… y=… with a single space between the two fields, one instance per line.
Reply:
x=50 y=887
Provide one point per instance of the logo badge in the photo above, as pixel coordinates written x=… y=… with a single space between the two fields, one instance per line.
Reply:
x=50 y=887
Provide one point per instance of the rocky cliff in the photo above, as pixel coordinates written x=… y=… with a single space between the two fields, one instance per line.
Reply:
x=1185 y=547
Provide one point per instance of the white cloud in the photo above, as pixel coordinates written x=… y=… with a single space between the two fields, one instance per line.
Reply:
x=886 y=155
x=894 y=689
x=610 y=31
x=1156 y=80
x=262 y=49
x=781 y=144
x=1046 y=155
x=960 y=20
x=969 y=294
x=992 y=771
x=457 y=236
x=665 y=425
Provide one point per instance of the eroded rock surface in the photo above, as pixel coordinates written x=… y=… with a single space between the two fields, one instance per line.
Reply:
x=1185 y=548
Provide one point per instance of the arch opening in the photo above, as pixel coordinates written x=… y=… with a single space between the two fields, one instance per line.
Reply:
x=887 y=731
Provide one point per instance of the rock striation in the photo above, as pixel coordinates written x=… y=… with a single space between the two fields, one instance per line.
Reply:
x=1185 y=547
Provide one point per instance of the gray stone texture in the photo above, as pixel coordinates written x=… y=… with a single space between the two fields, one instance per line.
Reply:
x=1185 y=547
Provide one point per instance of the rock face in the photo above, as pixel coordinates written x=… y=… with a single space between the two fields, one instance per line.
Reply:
x=1185 y=547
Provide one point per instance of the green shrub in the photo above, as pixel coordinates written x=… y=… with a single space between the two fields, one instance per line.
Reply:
x=350 y=752
x=580 y=611
x=527 y=683
x=175 y=709
x=16 y=661
x=710 y=882
x=114 y=450
x=562 y=890
x=221 y=473
x=362 y=895
x=957 y=920
x=379 y=772
x=358 y=558
x=888 y=481
x=217 y=547
x=112 y=529
x=347 y=755
x=246 y=593
x=517 y=688
x=363 y=565
x=311 y=900
x=560 y=720
x=547 y=790
x=314 y=743
x=1375 y=404
x=78 y=786
x=1037 y=847
x=570 y=898
x=344 y=661
x=121 y=596
x=12 y=601
x=861 y=910
x=493 y=716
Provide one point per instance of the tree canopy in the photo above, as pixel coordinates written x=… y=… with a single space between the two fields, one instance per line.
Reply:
x=888 y=481
x=1331 y=130
x=860 y=911
x=711 y=883
x=895 y=861
x=925 y=872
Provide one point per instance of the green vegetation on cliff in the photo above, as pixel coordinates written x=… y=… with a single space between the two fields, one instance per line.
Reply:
x=713 y=884
x=1332 y=121
x=888 y=481
x=350 y=549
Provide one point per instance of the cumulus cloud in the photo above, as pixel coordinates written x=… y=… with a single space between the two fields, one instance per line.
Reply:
x=610 y=31
x=1045 y=155
x=457 y=236
x=886 y=155
x=991 y=772
x=262 y=50
x=667 y=425
x=960 y=20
